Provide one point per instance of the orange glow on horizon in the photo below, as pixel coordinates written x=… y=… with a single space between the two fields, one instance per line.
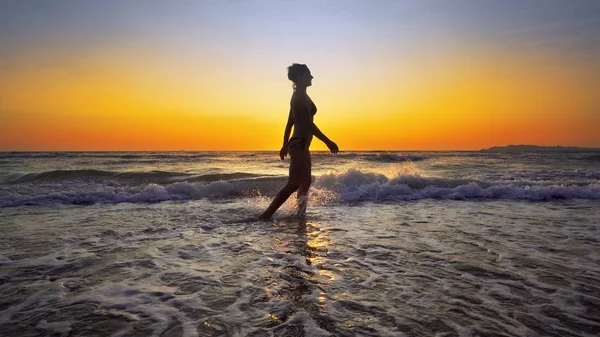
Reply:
x=458 y=102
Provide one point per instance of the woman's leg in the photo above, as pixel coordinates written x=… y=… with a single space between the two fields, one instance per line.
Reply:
x=297 y=164
x=305 y=181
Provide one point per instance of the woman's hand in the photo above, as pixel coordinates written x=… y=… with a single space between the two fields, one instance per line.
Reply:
x=332 y=147
x=283 y=152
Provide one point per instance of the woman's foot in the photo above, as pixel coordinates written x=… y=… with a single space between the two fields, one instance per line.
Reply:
x=301 y=203
x=264 y=217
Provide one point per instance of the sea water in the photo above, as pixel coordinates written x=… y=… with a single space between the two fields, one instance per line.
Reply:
x=393 y=244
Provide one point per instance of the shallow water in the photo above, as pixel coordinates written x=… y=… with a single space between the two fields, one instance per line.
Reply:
x=394 y=244
x=385 y=268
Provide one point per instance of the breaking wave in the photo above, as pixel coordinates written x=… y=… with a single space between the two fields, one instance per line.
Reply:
x=392 y=158
x=134 y=177
x=354 y=185
x=349 y=186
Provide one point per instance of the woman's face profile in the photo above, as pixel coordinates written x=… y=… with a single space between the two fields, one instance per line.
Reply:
x=306 y=79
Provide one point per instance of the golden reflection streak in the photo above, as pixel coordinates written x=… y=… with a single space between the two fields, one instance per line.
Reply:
x=307 y=240
x=322 y=297
x=317 y=241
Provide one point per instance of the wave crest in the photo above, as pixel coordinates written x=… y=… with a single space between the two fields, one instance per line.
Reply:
x=348 y=186
x=354 y=185
x=133 y=177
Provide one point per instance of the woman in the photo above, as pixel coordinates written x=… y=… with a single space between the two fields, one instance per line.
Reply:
x=302 y=110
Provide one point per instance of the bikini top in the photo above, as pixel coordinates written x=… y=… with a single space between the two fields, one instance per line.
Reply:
x=313 y=108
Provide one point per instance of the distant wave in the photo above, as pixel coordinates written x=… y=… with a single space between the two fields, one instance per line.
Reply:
x=107 y=155
x=349 y=186
x=111 y=194
x=354 y=185
x=545 y=175
x=136 y=177
x=593 y=157
x=391 y=158
x=368 y=157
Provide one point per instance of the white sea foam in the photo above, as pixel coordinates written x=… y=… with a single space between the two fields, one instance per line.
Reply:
x=354 y=185
x=349 y=185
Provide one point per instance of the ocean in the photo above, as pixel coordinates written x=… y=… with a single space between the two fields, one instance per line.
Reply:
x=393 y=244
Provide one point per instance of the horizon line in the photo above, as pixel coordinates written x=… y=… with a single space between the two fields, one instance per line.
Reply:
x=348 y=150
x=271 y=150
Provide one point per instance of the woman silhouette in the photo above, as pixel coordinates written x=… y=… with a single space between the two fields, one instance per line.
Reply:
x=302 y=110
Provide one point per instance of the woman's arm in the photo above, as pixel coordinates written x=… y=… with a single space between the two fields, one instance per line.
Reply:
x=288 y=129
x=286 y=136
x=321 y=136
x=317 y=133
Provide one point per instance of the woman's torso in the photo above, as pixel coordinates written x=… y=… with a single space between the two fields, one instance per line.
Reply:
x=298 y=105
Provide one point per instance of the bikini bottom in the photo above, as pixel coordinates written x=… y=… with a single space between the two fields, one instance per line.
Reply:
x=296 y=142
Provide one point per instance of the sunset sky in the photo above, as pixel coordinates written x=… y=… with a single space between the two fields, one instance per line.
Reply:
x=211 y=75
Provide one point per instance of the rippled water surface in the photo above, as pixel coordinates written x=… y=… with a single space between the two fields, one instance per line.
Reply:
x=445 y=268
x=394 y=244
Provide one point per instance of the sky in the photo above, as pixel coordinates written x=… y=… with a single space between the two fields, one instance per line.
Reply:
x=133 y=75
